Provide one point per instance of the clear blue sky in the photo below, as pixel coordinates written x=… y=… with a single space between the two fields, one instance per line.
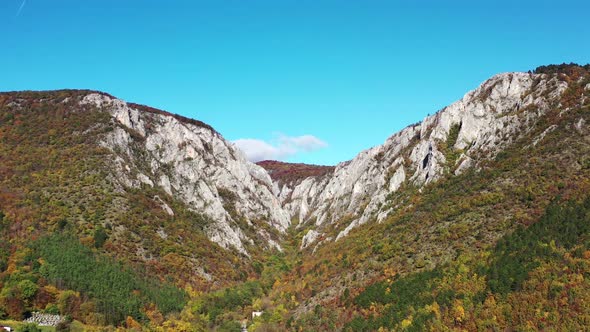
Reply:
x=349 y=73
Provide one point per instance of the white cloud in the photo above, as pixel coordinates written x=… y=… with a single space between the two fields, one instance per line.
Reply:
x=257 y=150
x=306 y=143
x=283 y=148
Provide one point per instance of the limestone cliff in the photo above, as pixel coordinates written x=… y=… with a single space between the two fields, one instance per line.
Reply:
x=193 y=163
x=447 y=143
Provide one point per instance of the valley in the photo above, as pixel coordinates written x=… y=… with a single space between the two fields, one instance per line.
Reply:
x=121 y=216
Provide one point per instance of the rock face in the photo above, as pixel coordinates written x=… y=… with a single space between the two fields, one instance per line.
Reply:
x=44 y=319
x=454 y=139
x=193 y=163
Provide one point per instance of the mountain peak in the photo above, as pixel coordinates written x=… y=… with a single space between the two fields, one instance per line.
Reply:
x=459 y=137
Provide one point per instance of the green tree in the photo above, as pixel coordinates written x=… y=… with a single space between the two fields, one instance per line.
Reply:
x=28 y=328
x=68 y=303
x=28 y=289
x=100 y=237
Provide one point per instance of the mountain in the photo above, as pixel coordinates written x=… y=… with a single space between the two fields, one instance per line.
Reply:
x=180 y=158
x=466 y=218
x=163 y=194
x=119 y=214
x=455 y=139
x=193 y=163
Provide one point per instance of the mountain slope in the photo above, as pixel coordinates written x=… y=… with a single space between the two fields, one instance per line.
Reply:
x=164 y=195
x=444 y=235
x=193 y=163
x=460 y=136
x=139 y=146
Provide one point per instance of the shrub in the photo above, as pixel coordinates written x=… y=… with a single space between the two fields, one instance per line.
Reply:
x=28 y=328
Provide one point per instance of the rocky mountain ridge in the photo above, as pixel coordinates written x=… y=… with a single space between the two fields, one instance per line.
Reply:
x=195 y=163
x=191 y=161
x=452 y=140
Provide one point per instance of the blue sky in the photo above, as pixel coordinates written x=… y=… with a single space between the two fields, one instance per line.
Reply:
x=313 y=81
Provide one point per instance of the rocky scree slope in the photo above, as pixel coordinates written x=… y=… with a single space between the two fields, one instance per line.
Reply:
x=142 y=168
x=193 y=163
x=456 y=138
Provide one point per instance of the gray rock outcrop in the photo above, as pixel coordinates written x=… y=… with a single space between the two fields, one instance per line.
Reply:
x=485 y=120
x=193 y=163
x=44 y=319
